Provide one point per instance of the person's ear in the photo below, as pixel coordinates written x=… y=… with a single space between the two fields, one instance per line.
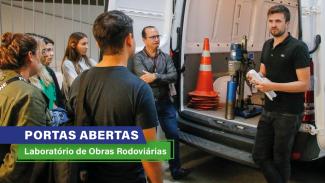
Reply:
x=129 y=40
x=73 y=45
x=29 y=58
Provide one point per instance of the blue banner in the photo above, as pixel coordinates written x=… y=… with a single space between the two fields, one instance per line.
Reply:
x=72 y=135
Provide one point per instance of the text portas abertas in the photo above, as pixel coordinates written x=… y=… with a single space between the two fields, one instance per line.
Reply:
x=71 y=135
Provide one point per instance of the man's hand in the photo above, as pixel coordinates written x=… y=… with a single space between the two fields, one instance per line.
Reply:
x=263 y=86
x=249 y=77
x=148 y=77
x=83 y=175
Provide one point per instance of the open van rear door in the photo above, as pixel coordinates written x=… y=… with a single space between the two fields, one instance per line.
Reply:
x=316 y=12
x=312 y=27
x=158 y=13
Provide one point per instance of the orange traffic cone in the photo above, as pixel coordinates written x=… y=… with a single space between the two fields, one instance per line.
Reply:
x=204 y=86
x=204 y=97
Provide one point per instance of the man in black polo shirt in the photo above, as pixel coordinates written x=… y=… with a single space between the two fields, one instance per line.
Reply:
x=285 y=62
x=110 y=95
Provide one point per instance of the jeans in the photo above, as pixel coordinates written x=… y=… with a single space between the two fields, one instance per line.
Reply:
x=169 y=124
x=274 y=141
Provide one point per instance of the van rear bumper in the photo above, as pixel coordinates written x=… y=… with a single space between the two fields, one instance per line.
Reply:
x=236 y=147
x=219 y=150
x=223 y=150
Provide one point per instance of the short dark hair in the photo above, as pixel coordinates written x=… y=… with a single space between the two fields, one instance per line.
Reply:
x=44 y=38
x=48 y=40
x=144 y=30
x=110 y=30
x=280 y=9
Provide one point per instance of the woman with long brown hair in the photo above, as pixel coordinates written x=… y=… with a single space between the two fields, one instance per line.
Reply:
x=75 y=59
x=21 y=104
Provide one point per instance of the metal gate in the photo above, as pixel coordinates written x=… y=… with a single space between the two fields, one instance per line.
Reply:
x=56 y=19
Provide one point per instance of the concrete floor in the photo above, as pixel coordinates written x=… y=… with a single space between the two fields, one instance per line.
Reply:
x=210 y=169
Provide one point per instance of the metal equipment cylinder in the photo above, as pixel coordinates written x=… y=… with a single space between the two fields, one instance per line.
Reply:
x=231 y=99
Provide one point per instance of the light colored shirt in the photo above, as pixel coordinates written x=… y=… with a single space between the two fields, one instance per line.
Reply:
x=69 y=72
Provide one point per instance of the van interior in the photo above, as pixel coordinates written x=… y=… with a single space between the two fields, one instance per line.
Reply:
x=183 y=26
x=225 y=22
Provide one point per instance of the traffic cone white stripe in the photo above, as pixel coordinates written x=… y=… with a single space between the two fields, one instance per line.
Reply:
x=204 y=67
x=205 y=53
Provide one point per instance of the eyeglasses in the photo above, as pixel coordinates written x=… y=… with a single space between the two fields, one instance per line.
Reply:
x=154 y=37
x=46 y=50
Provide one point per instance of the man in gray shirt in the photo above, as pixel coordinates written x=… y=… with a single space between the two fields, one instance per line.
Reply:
x=157 y=69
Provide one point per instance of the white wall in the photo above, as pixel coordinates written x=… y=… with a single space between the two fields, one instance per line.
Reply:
x=227 y=21
x=157 y=13
x=52 y=20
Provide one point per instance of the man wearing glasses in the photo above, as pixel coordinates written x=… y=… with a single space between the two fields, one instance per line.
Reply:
x=157 y=69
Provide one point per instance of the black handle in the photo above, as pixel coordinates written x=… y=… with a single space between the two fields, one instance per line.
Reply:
x=318 y=40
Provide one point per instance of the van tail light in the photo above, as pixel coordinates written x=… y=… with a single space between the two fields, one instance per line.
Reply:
x=309 y=111
x=171 y=53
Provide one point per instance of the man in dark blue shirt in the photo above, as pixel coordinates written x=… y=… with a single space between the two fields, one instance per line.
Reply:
x=110 y=95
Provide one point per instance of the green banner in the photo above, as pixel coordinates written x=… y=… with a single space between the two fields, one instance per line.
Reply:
x=152 y=151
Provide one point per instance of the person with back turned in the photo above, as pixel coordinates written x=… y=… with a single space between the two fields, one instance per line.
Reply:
x=110 y=95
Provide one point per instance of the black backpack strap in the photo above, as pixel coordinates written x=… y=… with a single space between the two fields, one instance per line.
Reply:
x=82 y=118
x=17 y=78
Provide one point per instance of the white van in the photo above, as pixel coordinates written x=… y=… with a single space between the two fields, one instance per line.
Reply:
x=185 y=23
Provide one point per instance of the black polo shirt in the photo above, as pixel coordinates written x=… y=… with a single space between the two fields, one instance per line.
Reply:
x=281 y=63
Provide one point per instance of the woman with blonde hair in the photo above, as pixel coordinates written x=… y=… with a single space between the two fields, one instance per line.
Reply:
x=46 y=80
